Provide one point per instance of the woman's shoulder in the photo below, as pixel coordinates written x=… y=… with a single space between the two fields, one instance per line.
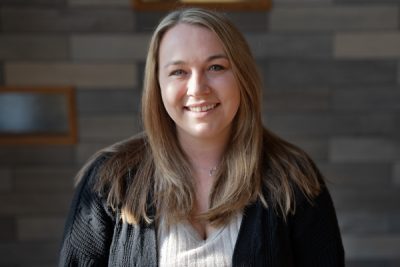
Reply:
x=290 y=175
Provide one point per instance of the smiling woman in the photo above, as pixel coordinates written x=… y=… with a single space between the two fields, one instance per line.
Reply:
x=205 y=184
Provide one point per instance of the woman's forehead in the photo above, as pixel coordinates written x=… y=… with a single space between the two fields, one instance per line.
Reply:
x=184 y=41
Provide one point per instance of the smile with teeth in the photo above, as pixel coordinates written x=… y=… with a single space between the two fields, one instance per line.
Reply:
x=202 y=108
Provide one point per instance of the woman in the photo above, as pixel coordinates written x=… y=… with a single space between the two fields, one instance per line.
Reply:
x=205 y=184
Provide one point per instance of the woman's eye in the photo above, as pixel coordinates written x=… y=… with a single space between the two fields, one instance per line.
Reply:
x=177 y=73
x=216 y=68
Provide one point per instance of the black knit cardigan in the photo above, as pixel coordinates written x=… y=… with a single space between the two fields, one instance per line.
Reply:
x=96 y=236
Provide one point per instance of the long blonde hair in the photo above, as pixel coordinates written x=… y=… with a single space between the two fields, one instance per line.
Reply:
x=151 y=170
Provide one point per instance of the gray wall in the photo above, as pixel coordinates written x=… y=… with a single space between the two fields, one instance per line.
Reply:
x=332 y=75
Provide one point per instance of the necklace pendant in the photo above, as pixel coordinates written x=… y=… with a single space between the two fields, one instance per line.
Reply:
x=212 y=171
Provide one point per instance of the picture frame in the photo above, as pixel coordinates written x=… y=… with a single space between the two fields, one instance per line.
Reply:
x=37 y=115
x=233 y=5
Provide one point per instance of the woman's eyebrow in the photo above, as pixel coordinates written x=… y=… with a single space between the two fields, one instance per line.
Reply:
x=174 y=63
x=217 y=56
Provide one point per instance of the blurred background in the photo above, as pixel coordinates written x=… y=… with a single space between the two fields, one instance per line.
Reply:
x=332 y=86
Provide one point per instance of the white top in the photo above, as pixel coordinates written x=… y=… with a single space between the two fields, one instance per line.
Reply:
x=181 y=245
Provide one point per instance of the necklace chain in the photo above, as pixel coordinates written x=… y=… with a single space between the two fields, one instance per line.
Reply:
x=211 y=171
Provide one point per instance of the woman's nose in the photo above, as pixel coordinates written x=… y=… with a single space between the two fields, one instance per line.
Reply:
x=197 y=85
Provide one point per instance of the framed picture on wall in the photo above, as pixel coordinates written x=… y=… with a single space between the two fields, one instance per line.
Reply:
x=238 y=5
x=37 y=115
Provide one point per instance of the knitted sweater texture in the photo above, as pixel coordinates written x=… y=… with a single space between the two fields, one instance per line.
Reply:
x=96 y=236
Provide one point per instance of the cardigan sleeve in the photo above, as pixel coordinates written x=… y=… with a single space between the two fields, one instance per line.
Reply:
x=315 y=233
x=89 y=226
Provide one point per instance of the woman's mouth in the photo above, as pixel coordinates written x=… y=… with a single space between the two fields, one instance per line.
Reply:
x=203 y=108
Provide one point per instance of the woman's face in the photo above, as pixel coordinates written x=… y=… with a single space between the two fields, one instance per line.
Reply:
x=198 y=87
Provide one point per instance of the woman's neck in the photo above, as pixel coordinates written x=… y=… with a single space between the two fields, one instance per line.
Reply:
x=203 y=154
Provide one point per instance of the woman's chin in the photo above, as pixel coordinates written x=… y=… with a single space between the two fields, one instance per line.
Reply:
x=205 y=133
